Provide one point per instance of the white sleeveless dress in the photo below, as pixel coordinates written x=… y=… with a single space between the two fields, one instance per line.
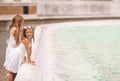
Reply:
x=15 y=58
x=11 y=44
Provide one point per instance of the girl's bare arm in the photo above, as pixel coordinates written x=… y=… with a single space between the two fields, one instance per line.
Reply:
x=16 y=34
x=28 y=49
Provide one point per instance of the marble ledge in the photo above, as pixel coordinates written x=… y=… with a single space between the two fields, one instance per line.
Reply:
x=42 y=17
x=18 y=4
x=26 y=17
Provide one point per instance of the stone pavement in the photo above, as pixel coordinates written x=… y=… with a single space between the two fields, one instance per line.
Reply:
x=3 y=74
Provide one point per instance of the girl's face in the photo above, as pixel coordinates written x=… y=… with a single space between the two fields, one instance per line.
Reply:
x=29 y=33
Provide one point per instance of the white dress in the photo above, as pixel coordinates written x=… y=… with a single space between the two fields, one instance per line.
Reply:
x=11 y=44
x=15 y=58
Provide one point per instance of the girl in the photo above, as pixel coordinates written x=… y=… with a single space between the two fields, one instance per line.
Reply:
x=28 y=72
x=13 y=40
x=16 y=57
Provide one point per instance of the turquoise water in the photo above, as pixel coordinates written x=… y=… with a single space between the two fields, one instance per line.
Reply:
x=88 y=53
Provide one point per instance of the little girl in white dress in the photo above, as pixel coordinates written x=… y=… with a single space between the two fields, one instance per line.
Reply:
x=22 y=52
x=28 y=72
x=13 y=41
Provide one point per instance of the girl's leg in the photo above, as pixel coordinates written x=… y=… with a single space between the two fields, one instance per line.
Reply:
x=11 y=76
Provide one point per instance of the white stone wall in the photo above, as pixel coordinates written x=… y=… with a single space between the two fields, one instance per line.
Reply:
x=77 y=9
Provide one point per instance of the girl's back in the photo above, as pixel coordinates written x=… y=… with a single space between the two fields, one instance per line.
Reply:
x=11 y=42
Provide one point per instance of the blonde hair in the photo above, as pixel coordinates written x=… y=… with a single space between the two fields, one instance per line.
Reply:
x=17 y=21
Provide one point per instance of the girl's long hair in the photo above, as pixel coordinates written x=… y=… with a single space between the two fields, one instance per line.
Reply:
x=17 y=21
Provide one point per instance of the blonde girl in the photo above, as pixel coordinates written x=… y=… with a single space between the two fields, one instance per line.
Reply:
x=13 y=41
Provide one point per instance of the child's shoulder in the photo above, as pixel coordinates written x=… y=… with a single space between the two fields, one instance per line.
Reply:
x=25 y=41
x=13 y=29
